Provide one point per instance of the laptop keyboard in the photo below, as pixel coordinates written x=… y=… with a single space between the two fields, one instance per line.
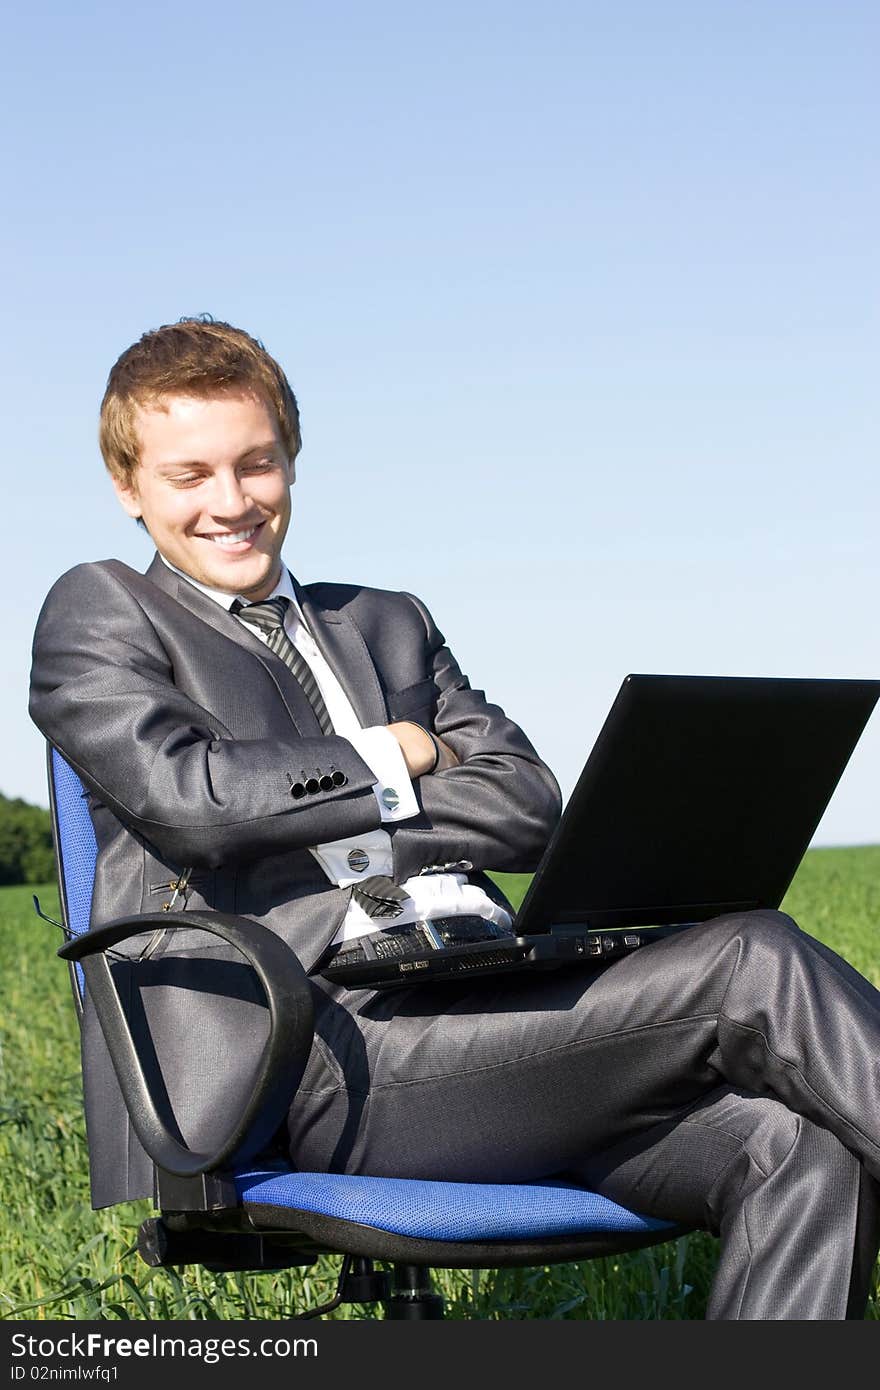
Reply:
x=395 y=943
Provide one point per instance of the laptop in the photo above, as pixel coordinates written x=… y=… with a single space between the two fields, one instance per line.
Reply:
x=700 y=797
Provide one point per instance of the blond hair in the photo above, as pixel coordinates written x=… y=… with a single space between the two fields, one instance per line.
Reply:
x=198 y=356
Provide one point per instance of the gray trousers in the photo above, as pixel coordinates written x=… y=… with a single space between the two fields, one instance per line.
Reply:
x=728 y=1077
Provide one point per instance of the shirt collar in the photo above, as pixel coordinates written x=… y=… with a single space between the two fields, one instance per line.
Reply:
x=283 y=589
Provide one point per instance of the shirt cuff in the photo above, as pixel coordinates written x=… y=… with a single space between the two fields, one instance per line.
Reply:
x=370 y=854
x=393 y=791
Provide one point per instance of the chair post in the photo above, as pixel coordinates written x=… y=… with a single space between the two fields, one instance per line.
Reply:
x=412 y=1296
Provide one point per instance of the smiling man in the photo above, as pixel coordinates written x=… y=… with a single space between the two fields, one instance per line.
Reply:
x=313 y=757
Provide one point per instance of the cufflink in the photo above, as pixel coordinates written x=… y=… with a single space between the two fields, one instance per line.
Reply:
x=358 y=860
x=390 y=799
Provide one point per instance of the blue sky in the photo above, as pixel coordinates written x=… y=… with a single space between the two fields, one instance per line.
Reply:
x=580 y=302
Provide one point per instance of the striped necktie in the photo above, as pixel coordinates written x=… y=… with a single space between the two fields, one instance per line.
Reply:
x=268 y=616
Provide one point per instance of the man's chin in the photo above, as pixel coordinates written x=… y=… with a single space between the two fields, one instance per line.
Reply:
x=250 y=576
x=251 y=581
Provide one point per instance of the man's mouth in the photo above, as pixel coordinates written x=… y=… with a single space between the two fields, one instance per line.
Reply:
x=230 y=538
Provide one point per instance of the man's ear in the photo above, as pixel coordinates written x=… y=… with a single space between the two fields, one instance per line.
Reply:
x=128 y=495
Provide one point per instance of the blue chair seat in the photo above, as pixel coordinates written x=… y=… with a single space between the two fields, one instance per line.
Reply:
x=444 y=1211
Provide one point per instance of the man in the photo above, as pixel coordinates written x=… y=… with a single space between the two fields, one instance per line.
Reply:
x=320 y=757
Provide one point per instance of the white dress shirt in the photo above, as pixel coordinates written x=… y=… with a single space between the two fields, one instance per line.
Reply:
x=431 y=895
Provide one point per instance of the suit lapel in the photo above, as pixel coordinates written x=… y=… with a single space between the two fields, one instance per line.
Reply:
x=343 y=647
x=222 y=621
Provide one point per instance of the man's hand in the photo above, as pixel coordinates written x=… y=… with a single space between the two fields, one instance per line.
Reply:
x=419 y=750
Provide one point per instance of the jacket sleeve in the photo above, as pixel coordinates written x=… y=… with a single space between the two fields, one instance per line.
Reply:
x=103 y=692
x=499 y=807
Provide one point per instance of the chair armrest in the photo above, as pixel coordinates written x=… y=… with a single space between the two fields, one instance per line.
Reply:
x=291 y=1027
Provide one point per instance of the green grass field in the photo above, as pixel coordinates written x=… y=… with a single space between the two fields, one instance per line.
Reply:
x=59 y=1259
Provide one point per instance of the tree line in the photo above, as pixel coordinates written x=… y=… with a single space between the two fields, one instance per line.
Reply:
x=26 y=854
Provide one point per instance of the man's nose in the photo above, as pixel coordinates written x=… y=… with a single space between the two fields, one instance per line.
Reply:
x=227 y=495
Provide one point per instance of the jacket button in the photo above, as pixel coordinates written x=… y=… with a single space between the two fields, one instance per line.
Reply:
x=297 y=790
x=326 y=783
x=339 y=779
x=312 y=785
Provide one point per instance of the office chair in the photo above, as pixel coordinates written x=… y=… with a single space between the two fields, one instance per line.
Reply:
x=234 y=1209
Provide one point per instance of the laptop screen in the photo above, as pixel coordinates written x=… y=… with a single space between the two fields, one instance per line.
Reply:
x=700 y=796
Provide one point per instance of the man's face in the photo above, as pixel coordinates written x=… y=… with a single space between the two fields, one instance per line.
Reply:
x=213 y=489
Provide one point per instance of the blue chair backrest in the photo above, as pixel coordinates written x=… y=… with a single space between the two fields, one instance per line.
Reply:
x=76 y=847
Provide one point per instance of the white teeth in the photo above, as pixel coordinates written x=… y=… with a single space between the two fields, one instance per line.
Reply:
x=234 y=537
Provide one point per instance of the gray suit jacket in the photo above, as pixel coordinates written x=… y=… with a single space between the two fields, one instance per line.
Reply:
x=192 y=738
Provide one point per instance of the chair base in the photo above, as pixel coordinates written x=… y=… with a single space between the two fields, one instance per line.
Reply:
x=412 y=1298
x=407 y=1295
